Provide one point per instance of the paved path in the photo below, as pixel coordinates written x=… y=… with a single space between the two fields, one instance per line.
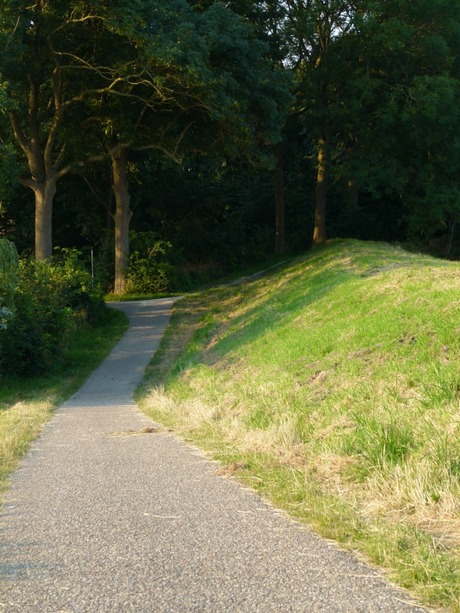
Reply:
x=99 y=519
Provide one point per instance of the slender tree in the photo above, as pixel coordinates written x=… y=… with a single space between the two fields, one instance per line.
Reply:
x=362 y=68
x=313 y=28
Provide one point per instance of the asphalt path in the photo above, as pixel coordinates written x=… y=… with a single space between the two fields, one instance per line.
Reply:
x=107 y=513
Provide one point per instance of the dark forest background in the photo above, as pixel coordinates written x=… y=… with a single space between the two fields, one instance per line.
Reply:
x=247 y=131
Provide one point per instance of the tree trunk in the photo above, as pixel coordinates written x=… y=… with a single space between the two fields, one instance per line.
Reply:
x=319 y=230
x=122 y=217
x=279 y=201
x=44 y=173
x=44 y=198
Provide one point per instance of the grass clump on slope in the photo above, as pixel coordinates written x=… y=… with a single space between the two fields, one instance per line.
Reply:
x=332 y=386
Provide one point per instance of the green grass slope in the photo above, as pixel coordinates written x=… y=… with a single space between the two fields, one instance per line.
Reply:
x=332 y=385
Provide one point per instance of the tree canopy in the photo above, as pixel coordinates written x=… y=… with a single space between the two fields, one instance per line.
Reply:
x=286 y=120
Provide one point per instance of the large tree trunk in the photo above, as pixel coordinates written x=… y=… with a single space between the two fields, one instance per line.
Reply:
x=279 y=201
x=44 y=198
x=44 y=167
x=319 y=230
x=122 y=217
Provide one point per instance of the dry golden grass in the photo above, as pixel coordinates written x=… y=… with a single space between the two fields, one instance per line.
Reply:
x=20 y=424
x=334 y=386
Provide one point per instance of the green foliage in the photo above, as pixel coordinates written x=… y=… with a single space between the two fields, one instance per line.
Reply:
x=150 y=270
x=380 y=80
x=74 y=285
x=204 y=82
x=36 y=336
x=51 y=299
x=9 y=265
x=8 y=171
x=379 y=443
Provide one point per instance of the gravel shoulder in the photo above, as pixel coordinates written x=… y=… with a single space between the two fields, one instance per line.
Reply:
x=108 y=512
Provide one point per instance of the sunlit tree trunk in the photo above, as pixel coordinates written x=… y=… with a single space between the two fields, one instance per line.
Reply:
x=122 y=217
x=44 y=198
x=43 y=163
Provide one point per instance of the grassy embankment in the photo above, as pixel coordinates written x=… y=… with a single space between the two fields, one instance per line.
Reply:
x=332 y=386
x=27 y=403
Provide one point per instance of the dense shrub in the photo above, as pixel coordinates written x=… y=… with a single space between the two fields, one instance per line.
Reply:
x=51 y=299
x=75 y=286
x=35 y=337
x=9 y=265
x=151 y=270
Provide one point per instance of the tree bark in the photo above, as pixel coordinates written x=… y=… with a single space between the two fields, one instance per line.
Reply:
x=279 y=201
x=44 y=198
x=319 y=229
x=44 y=170
x=122 y=217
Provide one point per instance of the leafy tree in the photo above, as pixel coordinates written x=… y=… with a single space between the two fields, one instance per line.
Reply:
x=360 y=67
x=140 y=76
x=403 y=110
x=202 y=83
x=315 y=28
x=267 y=17
x=42 y=82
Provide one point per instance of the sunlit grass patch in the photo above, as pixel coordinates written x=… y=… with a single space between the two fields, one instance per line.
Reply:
x=333 y=386
x=20 y=424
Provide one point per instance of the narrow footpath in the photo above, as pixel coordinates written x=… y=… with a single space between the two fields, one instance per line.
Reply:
x=107 y=514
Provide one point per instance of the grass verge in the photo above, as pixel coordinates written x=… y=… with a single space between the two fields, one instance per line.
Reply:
x=132 y=297
x=332 y=386
x=26 y=404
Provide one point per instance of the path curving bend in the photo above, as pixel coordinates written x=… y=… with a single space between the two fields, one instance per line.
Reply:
x=104 y=515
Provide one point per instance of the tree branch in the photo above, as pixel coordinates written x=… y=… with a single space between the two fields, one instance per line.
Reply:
x=58 y=110
x=19 y=132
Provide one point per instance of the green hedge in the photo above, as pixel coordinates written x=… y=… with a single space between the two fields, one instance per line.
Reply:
x=49 y=301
